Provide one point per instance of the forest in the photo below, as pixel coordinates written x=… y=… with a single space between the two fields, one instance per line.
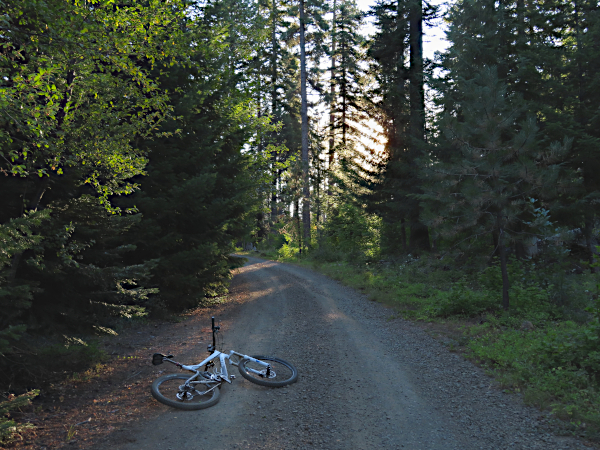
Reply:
x=141 y=143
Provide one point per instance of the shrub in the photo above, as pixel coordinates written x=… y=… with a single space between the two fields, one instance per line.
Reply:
x=287 y=251
x=461 y=301
x=352 y=233
x=558 y=366
x=8 y=427
x=39 y=364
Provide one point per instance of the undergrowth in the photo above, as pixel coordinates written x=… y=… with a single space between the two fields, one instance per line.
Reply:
x=547 y=346
x=8 y=427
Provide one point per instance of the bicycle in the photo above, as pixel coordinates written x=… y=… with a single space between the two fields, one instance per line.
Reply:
x=202 y=390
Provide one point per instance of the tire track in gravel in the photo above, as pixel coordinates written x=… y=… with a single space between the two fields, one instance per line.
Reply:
x=364 y=382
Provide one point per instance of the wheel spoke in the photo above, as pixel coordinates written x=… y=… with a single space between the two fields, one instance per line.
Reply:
x=172 y=390
x=279 y=373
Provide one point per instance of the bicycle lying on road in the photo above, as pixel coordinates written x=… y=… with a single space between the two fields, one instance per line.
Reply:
x=202 y=389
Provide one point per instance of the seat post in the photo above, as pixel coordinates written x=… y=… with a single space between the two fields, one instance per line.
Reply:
x=214 y=344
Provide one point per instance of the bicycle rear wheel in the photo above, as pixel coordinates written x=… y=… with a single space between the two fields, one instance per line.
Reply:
x=280 y=373
x=171 y=390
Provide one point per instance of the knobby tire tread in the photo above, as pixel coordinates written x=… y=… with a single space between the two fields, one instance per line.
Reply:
x=186 y=405
x=264 y=382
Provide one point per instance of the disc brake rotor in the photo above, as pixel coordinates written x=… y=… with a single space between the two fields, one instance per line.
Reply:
x=272 y=374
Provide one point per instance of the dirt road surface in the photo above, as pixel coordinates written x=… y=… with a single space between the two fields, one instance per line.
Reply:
x=365 y=381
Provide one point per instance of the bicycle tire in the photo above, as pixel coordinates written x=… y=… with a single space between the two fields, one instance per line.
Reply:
x=164 y=389
x=285 y=372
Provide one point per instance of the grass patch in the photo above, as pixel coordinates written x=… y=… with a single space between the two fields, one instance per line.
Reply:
x=556 y=368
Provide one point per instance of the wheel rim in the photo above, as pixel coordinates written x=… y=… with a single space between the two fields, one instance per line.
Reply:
x=174 y=389
x=277 y=372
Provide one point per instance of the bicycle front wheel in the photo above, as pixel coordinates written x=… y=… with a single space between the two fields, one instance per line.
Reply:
x=172 y=391
x=280 y=373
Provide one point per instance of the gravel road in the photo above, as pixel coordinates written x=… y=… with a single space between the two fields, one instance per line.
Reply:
x=365 y=382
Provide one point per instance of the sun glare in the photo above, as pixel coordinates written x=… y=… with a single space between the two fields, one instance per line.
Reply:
x=372 y=140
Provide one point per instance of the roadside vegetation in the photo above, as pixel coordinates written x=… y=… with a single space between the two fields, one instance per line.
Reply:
x=546 y=346
x=141 y=142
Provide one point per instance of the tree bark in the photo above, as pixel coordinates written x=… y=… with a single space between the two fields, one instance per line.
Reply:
x=274 y=211
x=297 y=208
x=587 y=232
x=403 y=234
x=503 y=263
x=419 y=233
x=304 y=113
x=417 y=91
x=332 y=101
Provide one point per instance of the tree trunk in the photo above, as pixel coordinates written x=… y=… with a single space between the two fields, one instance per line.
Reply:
x=417 y=91
x=343 y=81
x=503 y=264
x=419 y=233
x=587 y=232
x=419 y=236
x=399 y=116
x=297 y=207
x=495 y=243
x=344 y=93
x=403 y=234
x=332 y=102
x=274 y=211
x=304 y=113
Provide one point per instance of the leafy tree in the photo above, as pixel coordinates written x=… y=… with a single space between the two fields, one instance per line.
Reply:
x=75 y=93
x=200 y=193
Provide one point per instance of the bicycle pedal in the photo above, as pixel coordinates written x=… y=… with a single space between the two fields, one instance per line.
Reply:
x=232 y=377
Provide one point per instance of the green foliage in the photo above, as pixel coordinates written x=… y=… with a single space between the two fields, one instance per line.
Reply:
x=461 y=301
x=74 y=101
x=16 y=236
x=89 y=95
x=529 y=296
x=73 y=98
x=488 y=185
x=199 y=196
x=43 y=361
x=8 y=334
x=8 y=427
x=287 y=251
x=352 y=233
x=556 y=366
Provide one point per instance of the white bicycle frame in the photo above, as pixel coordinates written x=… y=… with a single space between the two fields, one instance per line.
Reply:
x=221 y=375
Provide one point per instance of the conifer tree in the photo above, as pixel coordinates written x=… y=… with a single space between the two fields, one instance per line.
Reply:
x=75 y=93
x=550 y=60
x=400 y=100
x=198 y=197
x=348 y=74
x=495 y=175
x=278 y=71
x=347 y=111
x=304 y=116
x=568 y=101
